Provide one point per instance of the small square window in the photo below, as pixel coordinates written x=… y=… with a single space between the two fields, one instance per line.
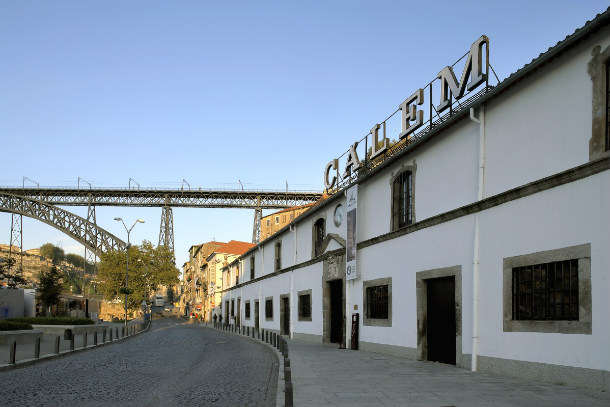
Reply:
x=305 y=305
x=377 y=302
x=269 y=308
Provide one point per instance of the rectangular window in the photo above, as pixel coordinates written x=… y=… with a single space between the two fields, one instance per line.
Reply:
x=377 y=302
x=252 y=267
x=278 y=256
x=305 y=306
x=277 y=220
x=319 y=233
x=546 y=292
x=402 y=202
x=247 y=309
x=269 y=308
x=232 y=308
x=268 y=222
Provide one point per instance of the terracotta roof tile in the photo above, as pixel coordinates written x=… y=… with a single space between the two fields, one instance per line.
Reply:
x=235 y=247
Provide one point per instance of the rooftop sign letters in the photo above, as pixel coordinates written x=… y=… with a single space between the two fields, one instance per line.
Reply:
x=412 y=114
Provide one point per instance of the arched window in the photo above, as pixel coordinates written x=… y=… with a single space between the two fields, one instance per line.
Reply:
x=402 y=200
x=319 y=232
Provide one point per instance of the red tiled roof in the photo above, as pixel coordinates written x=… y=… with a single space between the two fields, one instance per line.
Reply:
x=235 y=247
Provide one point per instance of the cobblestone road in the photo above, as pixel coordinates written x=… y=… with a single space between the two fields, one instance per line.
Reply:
x=174 y=364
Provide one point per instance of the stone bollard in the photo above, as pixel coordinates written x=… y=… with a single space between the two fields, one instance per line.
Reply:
x=37 y=348
x=85 y=340
x=286 y=362
x=12 y=352
x=285 y=352
x=288 y=394
x=287 y=374
x=280 y=345
x=72 y=342
x=57 y=339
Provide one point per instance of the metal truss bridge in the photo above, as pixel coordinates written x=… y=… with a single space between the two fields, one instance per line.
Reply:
x=43 y=204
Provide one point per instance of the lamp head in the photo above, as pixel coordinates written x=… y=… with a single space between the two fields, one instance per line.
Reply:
x=140 y=220
x=118 y=219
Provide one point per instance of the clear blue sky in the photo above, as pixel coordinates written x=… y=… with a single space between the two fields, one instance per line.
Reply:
x=213 y=92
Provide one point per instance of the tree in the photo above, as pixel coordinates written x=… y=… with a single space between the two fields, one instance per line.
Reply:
x=75 y=260
x=170 y=294
x=53 y=253
x=11 y=274
x=149 y=268
x=49 y=287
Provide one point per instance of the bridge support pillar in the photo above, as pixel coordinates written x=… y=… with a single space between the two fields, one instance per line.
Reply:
x=166 y=232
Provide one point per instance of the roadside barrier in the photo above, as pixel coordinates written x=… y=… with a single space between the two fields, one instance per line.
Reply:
x=275 y=340
x=109 y=335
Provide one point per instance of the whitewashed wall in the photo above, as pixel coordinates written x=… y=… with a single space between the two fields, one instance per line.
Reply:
x=538 y=128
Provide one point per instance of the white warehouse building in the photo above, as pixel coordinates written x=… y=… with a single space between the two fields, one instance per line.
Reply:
x=480 y=239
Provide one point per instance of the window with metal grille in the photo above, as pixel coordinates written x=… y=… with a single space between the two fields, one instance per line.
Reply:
x=248 y=310
x=547 y=291
x=377 y=302
x=269 y=308
x=305 y=306
x=319 y=232
x=252 y=267
x=278 y=255
x=607 y=106
x=402 y=202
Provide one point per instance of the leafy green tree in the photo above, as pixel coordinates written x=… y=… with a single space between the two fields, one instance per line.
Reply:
x=52 y=252
x=75 y=260
x=49 y=287
x=149 y=268
x=11 y=274
x=170 y=294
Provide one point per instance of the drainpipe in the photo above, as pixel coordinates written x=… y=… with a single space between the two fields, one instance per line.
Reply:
x=260 y=285
x=475 y=253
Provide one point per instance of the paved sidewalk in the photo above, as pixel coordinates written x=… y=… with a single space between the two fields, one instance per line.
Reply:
x=325 y=375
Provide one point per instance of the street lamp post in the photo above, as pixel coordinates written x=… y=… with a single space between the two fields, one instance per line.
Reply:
x=127 y=269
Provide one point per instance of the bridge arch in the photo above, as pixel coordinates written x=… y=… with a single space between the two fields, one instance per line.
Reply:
x=88 y=234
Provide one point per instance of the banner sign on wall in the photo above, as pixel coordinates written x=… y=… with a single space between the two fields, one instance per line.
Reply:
x=351 y=271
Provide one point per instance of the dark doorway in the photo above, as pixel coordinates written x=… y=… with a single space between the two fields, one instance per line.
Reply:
x=441 y=336
x=256 y=315
x=336 y=311
x=285 y=316
x=238 y=317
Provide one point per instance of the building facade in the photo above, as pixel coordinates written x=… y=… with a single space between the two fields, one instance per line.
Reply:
x=195 y=279
x=217 y=262
x=480 y=239
x=273 y=223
